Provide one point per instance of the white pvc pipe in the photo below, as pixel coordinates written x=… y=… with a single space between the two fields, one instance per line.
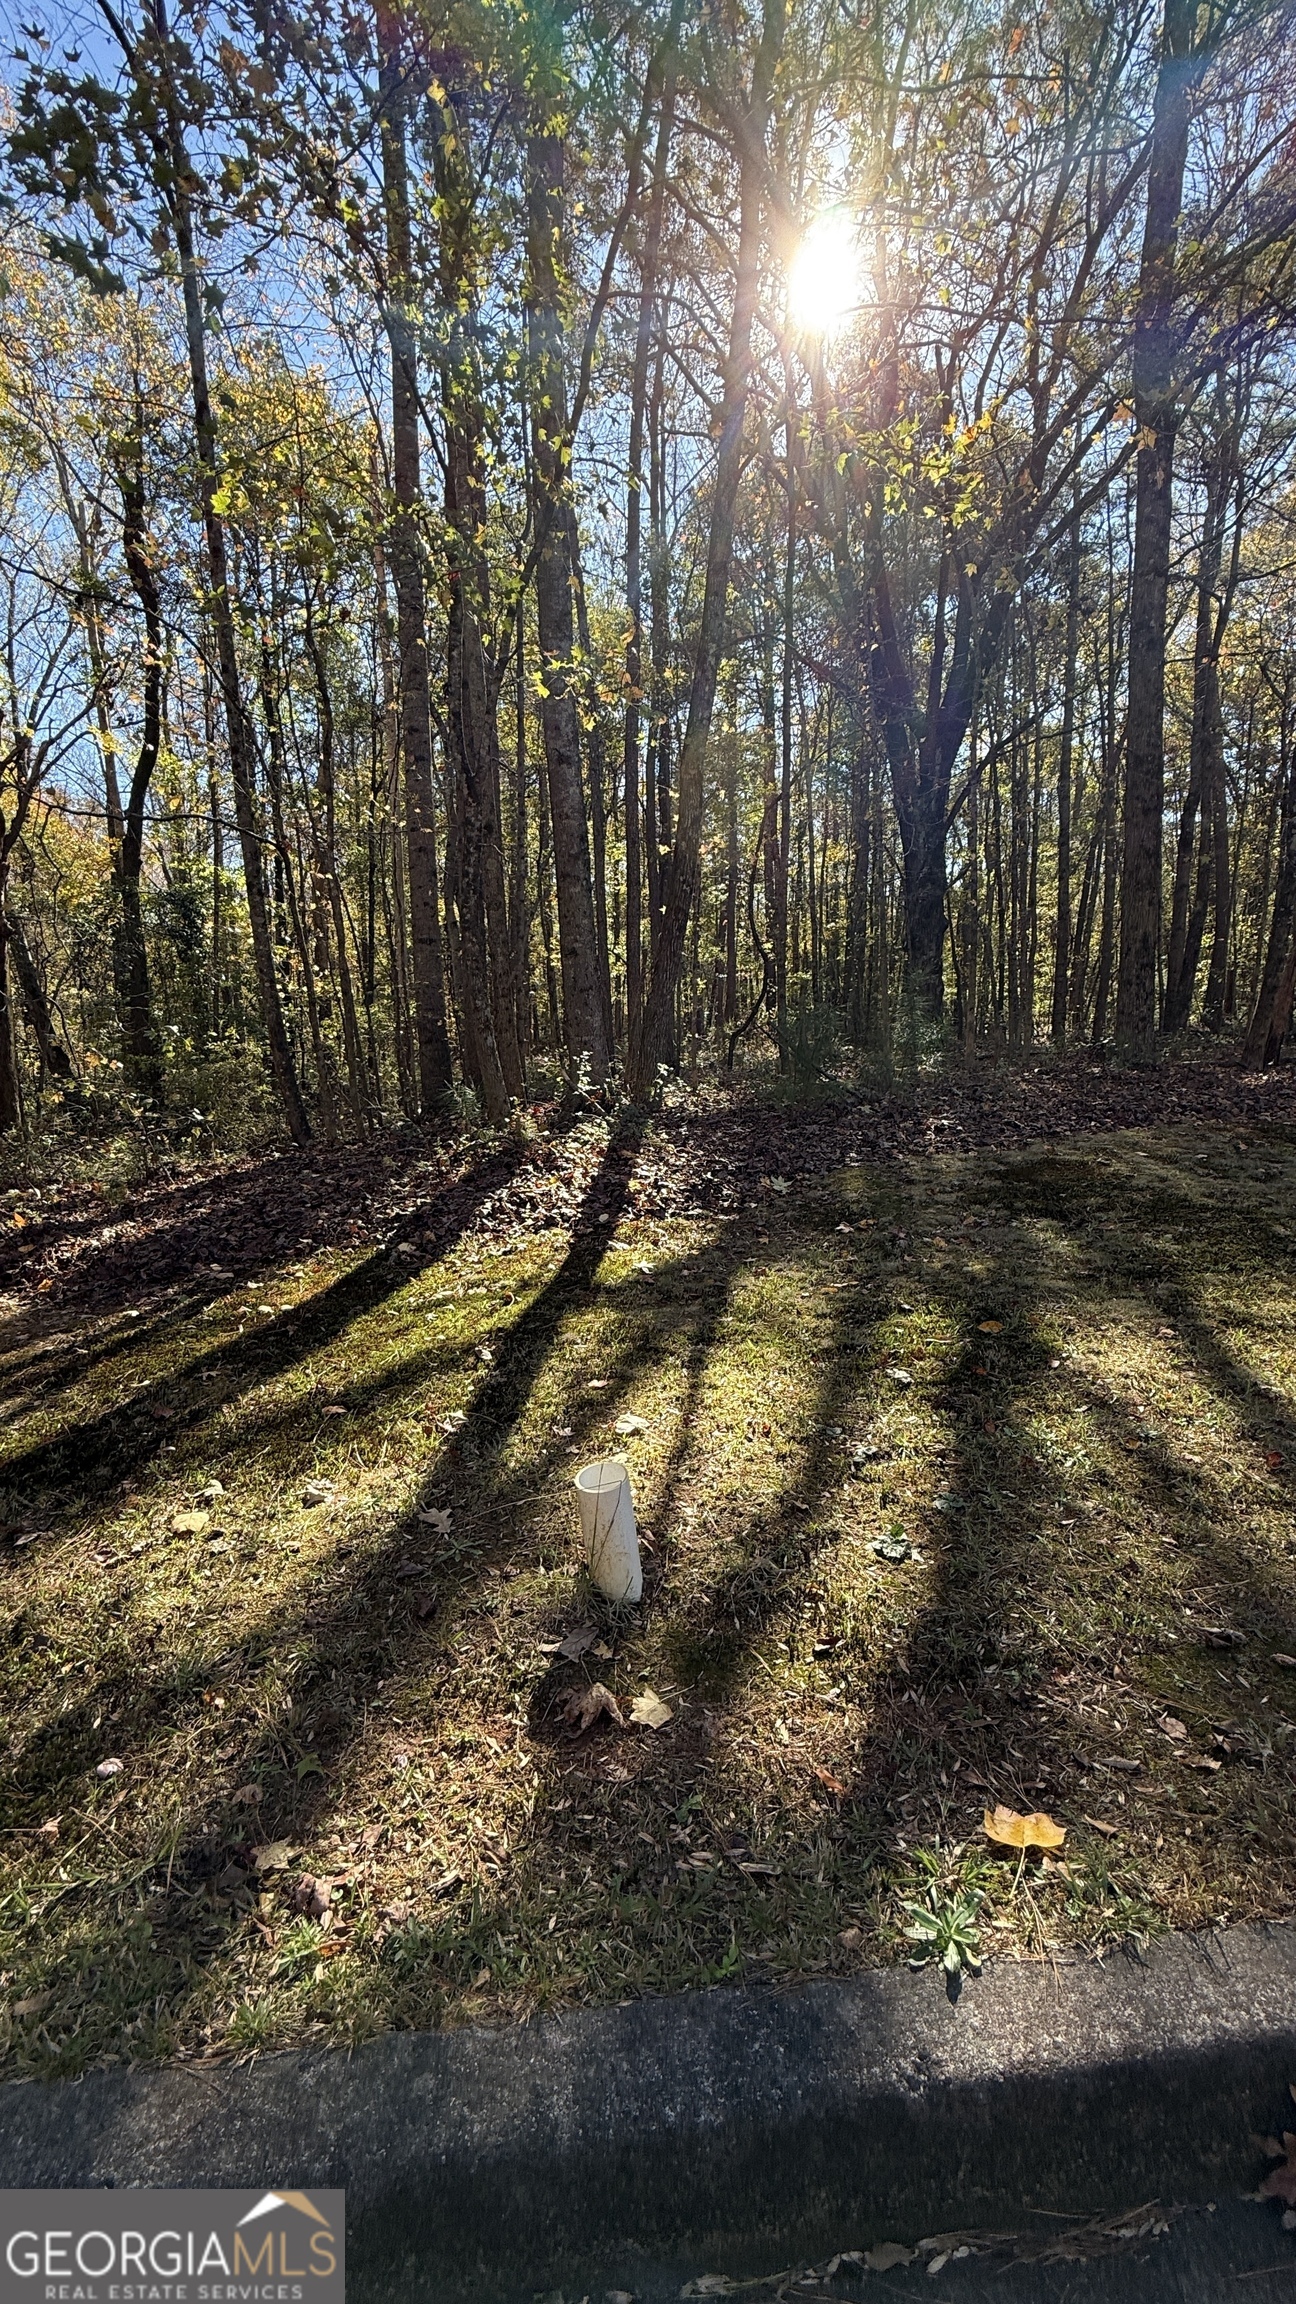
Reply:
x=608 y=1528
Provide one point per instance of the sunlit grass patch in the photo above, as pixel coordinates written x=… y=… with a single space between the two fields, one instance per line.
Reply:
x=966 y=1484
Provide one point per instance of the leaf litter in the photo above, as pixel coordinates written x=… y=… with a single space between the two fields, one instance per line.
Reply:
x=1077 y=2240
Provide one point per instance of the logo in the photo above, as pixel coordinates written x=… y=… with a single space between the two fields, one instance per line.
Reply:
x=110 y=2247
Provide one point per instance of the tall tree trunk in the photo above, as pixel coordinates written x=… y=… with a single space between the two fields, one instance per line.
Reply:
x=220 y=608
x=53 y=1055
x=1206 y=788
x=1156 y=416
x=1215 y=802
x=657 y=752
x=634 y=665
x=1272 y=1012
x=488 y=997
x=585 y=1009
x=426 y=951
x=729 y=916
x=326 y=866
x=682 y=883
x=599 y=796
x=139 y=1032
x=10 y=1093
x=1107 y=929
x=519 y=895
x=394 y=897
x=1062 y=939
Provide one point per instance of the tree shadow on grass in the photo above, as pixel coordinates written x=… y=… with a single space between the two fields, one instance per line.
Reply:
x=359 y=1632
x=1017 y=1633
x=1035 y=1617
x=118 y=1276
x=983 y=1674
x=121 y=1442
x=257 y=1211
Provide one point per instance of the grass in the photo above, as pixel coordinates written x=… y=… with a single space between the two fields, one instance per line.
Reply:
x=1061 y=1383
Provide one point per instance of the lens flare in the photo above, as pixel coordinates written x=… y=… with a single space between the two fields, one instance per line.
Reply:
x=825 y=276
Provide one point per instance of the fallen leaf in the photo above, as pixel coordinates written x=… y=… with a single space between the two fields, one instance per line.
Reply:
x=887 y=2255
x=899 y=1375
x=895 y=1547
x=318 y=1492
x=438 y=1520
x=990 y=1327
x=1221 y=1636
x=648 y=1710
x=334 y=1409
x=1172 y=1728
x=1273 y=1459
x=627 y=1424
x=830 y=1782
x=1280 y=2183
x=573 y=1647
x=248 y=1796
x=1010 y=1830
x=209 y=1494
x=1288 y=1661
x=1108 y=1831
x=850 y=1937
x=598 y=1384
x=482 y=1977
x=32 y=2005
x=1208 y=1766
x=190 y=1523
x=313 y=1896
x=779 y=1184
x=110 y=1768
x=583 y=1706
x=276 y=1856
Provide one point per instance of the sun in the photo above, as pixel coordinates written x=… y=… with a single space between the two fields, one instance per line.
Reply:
x=825 y=276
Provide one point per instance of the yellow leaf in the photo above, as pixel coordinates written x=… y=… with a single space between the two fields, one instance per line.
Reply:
x=990 y=1327
x=1013 y=1831
x=190 y=1523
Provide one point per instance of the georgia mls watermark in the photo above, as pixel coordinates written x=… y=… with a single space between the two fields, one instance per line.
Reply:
x=111 y=2247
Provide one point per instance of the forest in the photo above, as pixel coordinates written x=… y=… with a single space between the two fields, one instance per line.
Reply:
x=549 y=548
